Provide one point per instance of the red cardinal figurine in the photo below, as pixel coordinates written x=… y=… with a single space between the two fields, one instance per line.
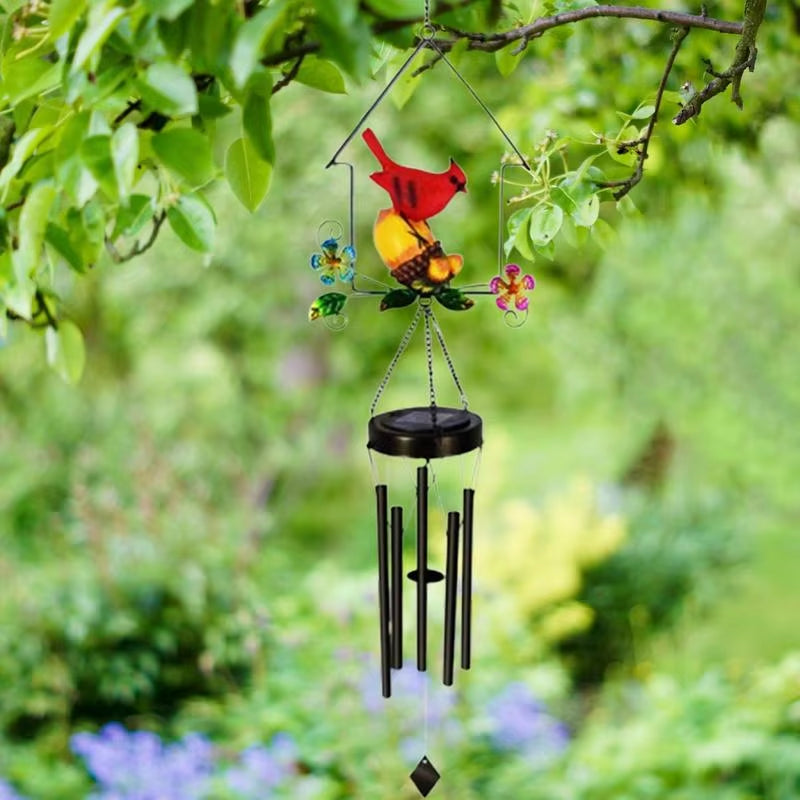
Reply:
x=416 y=194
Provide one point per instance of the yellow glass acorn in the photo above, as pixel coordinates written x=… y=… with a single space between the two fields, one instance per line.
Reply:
x=412 y=254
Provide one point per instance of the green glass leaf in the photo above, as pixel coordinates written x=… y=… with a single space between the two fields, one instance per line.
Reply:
x=253 y=40
x=454 y=299
x=63 y=15
x=167 y=88
x=187 y=153
x=546 y=221
x=125 y=155
x=257 y=124
x=193 y=222
x=101 y=25
x=398 y=298
x=66 y=351
x=322 y=75
x=327 y=305
x=248 y=175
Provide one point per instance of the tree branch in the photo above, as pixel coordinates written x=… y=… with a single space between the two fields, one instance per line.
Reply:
x=643 y=143
x=496 y=41
x=490 y=42
x=744 y=59
x=138 y=248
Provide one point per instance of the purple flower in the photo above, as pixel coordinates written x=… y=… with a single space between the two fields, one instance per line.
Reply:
x=137 y=765
x=7 y=792
x=519 y=721
x=261 y=769
x=408 y=691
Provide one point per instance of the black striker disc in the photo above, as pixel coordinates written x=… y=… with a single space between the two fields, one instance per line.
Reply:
x=425 y=432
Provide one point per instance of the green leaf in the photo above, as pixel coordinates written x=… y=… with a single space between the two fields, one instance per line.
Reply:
x=643 y=112
x=397 y=9
x=96 y=155
x=210 y=106
x=454 y=299
x=167 y=9
x=518 y=235
x=327 y=305
x=257 y=124
x=321 y=74
x=253 y=39
x=506 y=60
x=187 y=153
x=167 y=88
x=100 y=27
x=133 y=217
x=60 y=241
x=345 y=35
x=193 y=222
x=32 y=226
x=546 y=221
x=66 y=352
x=587 y=211
x=125 y=155
x=247 y=174
x=603 y=234
x=70 y=172
x=26 y=77
x=63 y=15
x=23 y=150
x=407 y=83
x=398 y=298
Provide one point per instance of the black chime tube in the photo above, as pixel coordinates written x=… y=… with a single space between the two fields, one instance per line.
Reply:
x=397 y=587
x=450 y=586
x=422 y=568
x=466 y=581
x=383 y=587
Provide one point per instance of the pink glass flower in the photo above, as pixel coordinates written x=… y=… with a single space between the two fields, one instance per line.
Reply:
x=511 y=291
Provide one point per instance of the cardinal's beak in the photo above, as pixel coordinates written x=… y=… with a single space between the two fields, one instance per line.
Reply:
x=461 y=187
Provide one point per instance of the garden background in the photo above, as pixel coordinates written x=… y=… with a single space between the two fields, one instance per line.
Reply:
x=187 y=555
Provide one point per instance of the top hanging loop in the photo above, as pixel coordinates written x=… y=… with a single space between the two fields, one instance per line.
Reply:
x=428 y=31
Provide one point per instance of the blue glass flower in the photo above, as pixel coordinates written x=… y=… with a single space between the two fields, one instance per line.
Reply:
x=333 y=262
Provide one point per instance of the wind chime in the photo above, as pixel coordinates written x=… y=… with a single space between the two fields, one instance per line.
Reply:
x=405 y=242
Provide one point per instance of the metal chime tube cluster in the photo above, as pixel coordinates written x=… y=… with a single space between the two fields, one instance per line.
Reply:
x=390 y=578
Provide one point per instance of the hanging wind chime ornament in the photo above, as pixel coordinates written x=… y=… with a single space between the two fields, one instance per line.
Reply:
x=427 y=433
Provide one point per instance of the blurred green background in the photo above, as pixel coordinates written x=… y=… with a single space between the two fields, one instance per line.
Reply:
x=186 y=539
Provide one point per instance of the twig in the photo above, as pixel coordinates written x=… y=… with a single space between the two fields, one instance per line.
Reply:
x=643 y=143
x=288 y=76
x=744 y=59
x=138 y=248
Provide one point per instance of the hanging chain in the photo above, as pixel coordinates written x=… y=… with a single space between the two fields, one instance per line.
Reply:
x=427 y=13
x=390 y=369
x=453 y=374
x=429 y=354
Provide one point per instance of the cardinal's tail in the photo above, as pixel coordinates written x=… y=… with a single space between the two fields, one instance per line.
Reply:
x=377 y=149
